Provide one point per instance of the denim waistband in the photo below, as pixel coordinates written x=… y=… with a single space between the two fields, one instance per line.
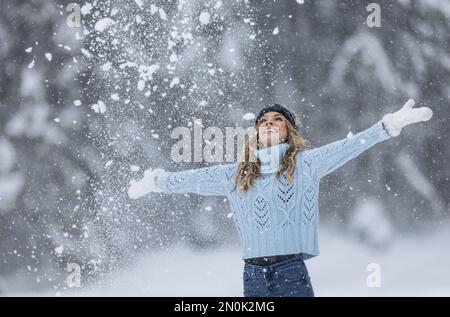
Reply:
x=252 y=267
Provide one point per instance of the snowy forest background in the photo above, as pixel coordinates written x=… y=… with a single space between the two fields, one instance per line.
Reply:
x=85 y=109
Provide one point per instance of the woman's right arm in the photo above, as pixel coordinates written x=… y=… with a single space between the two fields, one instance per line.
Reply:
x=209 y=181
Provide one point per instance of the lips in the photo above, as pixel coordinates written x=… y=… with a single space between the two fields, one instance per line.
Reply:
x=271 y=130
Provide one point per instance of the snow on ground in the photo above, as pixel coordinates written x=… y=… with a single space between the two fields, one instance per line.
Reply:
x=410 y=267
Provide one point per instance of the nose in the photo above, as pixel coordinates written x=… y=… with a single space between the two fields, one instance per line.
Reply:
x=269 y=122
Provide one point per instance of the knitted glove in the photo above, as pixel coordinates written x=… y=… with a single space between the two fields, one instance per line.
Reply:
x=394 y=122
x=146 y=185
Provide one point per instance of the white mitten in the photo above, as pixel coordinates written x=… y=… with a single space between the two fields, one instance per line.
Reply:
x=394 y=122
x=146 y=185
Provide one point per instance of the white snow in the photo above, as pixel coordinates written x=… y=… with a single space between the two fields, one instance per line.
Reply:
x=109 y=163
x=141 y=85
x=139 y=3
x=86 y=8
x=174 y=82
x=31 y=65
x=134 y=168
x=204 y=17
x=115 y=97
x=59 y=250
x=162 y=14
x=86 y=53
x=106 y=67
x=276 y=31
x=230 y=53
x=412 y=266
x=249 y=116
x=99 y=107
x=173 y=57
x=77 y=102
x=29 y=50
x=146 y=72
x=102 y=24
x=48 y=56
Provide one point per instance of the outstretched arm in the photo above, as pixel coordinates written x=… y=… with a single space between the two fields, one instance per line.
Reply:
x=208 y=181
x=331 y=156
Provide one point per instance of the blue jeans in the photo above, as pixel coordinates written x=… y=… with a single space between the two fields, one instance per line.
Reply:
x=286 y=278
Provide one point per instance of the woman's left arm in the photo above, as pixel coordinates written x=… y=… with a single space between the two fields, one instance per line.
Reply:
x=333 y=155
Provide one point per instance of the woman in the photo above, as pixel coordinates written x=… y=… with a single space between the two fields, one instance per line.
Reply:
x=274 y=196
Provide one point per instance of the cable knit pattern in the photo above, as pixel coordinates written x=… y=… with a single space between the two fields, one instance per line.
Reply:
x=275 y=217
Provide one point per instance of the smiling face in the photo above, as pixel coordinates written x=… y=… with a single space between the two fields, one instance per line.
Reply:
x=272 y=129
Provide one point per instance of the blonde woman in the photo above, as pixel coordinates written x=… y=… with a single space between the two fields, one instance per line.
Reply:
x=274 y=197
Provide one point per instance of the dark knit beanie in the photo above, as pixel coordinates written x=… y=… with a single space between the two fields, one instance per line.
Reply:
x=280 y=109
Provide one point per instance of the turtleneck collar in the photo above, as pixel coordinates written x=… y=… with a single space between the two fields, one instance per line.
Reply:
x=271 y=157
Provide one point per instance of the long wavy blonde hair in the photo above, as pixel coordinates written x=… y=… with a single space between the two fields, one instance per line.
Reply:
x=249 y=169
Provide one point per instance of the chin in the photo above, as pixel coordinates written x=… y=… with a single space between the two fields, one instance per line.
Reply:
x=269 y=143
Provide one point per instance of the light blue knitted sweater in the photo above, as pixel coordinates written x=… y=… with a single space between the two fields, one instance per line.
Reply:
x=275 y=217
